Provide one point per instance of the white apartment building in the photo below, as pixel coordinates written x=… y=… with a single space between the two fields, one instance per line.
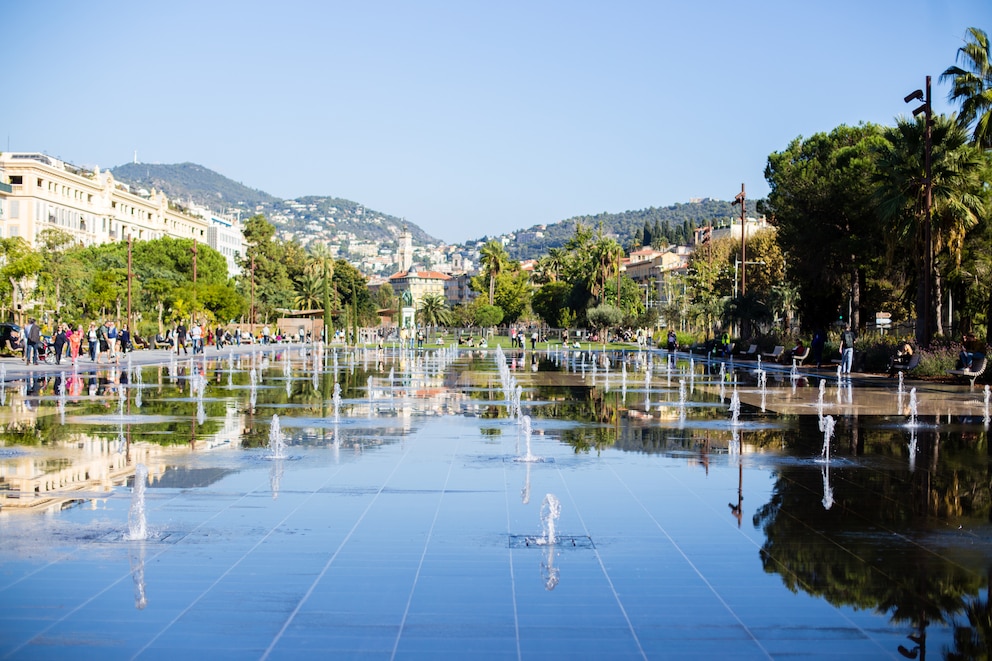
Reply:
x=91 y=206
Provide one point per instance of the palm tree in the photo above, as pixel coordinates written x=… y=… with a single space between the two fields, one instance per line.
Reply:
x=309 y=291
x=552 y=264
x=973 y=87
x=957 y=203
x=494 y=261
x=606 y=261
x=432 y=310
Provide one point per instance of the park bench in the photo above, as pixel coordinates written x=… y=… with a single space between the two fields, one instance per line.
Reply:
x=751 y=352
x=914 y=360
x=977 y=369
x=775 y=354
x=798 y=358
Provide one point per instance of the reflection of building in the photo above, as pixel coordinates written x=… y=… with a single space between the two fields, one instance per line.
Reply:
x=85 y=468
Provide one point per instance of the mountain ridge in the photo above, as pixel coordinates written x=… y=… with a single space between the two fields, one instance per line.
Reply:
x=353 y=226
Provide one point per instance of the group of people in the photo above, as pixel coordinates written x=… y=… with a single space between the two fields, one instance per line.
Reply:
x=100 y=341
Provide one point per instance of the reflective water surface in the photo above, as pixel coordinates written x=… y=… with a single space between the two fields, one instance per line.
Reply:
x=489 y=505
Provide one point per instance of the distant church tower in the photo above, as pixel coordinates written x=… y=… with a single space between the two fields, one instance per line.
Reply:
x=405 y=250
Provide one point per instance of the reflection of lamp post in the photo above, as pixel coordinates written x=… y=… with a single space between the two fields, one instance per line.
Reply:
x=924 y=329
x=739 y=263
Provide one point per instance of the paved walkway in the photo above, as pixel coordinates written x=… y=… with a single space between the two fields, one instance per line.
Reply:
x=15 y=366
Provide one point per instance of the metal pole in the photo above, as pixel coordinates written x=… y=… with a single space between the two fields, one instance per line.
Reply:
x=929 y=279
x=743 y=243
x=193 y=311
x=129 y=276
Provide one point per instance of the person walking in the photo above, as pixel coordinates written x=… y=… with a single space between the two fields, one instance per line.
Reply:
x=181 y=338
x=103 y=345
x=110 y=330
x=61 y=338
x=93 y=340
x=196 y=335
x=75 y=341
x=846 y=350
x=32 y=338
x=124 y=339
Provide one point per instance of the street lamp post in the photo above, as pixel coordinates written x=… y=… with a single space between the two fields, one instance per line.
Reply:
x=924 y=318
x=739 y=263
x=740 y=199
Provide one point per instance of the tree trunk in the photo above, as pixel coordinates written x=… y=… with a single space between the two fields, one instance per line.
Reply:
x=855 y=298
x=988 y=326
x=938 y=307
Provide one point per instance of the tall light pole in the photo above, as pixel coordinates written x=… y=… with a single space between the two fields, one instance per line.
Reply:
x=739 y=263
x=251 y=309
x=193 y=315
x=740 y=199
x=130 y=274
x=924 y=302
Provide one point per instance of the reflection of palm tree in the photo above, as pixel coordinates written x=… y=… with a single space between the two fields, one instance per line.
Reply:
x=975 y=641
x=973 y=86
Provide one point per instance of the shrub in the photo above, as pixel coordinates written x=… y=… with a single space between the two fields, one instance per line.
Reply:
x=936 y=360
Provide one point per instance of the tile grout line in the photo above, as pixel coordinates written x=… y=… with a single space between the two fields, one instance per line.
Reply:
x=599 y=560
x=423 y=554
x=690 y=562
x=330 y=560
x=111 y=585
x=509 y=551
x=230 y=568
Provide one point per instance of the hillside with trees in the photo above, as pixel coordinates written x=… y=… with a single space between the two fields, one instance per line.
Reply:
x=656 y=226
x=325 y=218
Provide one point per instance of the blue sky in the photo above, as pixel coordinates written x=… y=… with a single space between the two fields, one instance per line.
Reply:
x=467 y=118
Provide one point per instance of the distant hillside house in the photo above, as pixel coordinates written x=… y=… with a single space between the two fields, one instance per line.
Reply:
x=91 y=206
x=647 y=265
x=418 y=282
